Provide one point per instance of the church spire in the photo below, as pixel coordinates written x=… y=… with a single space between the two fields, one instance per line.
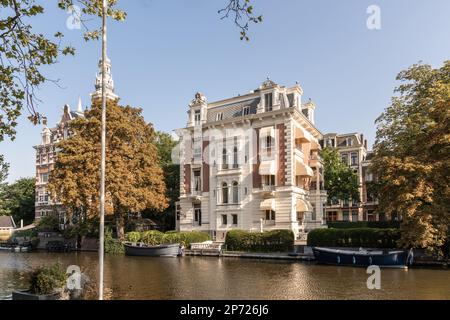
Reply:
x=109 y=82
x=79 y=107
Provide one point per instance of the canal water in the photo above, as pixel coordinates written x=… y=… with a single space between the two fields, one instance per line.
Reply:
x=229 y=278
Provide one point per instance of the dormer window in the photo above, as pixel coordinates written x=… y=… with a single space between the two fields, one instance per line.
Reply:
x=268 y=100
x=349 y=142
x=219 y=116
x=197 y=117
x=246 y=111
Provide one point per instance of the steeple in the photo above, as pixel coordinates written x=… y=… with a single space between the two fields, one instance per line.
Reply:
x=109 y=82
x=79 y=107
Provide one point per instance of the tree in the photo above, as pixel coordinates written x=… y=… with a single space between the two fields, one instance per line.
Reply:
x=341 y=182
x=25 y=53
x=134 y=179
x=165 y=145
x=412 y=156
x=3 y=169
x=17 y=199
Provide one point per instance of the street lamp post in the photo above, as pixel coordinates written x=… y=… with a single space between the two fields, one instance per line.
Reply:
x=103 y=156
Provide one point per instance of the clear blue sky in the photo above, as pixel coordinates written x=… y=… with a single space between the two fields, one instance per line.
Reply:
x=167 y=50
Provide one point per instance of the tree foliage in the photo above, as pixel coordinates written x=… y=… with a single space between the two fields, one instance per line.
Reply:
x=165 y=144
x=341 y=182
x=134 y=178
x=17 y=199
x=412 y=155
x=3 y=169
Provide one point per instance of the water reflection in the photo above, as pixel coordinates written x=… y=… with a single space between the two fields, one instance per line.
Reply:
x=231 y=279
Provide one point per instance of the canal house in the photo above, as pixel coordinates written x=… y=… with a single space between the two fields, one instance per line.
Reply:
x=251 y=162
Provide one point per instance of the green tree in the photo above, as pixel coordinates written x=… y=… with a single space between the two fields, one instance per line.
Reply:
x=412 y=156
x=165 y=144
x=17 y=199
x=341 y=182
x=3 y=169
x=134 y=178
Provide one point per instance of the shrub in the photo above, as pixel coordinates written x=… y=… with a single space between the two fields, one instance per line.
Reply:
x=46 y=280
x=354 y=237
x=133 y=236
x=48 y=223
x=152 y=237
x=269 y=241
x=363 y=224
x=112 y=245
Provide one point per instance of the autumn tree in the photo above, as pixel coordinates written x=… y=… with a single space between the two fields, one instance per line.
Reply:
x=134 y=178
x=341 y=182
x=412 y=156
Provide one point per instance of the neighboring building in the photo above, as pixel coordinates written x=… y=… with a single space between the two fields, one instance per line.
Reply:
x=46 y=151
x=251 y=162
x=7 y=227
x=352 y=148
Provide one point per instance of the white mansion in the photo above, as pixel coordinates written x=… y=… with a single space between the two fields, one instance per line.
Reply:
x=251 y=162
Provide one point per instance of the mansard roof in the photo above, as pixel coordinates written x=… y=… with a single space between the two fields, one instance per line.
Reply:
x=233 y=110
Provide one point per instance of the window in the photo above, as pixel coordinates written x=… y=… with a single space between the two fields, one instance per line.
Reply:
x=224 y=193
x=235 y=157
x=269 y=180
x=245 y=190
x=345 y=216
x=344 y=158
x=332 y=216
x=330 y=143
x=268 y=98
x=219 y=116
x=349 y=142
x=178 y=211
x=44 y=177
x=197 y=117
x=235 y=219
x=246 y=111
x=354 y=215
x=197 y=215
x=197 y=148
x=224 y=158
x=197 y=181
x=247 y=149
x=235 y=192
x=354 y=159
x=224 y=220
x=270 y=215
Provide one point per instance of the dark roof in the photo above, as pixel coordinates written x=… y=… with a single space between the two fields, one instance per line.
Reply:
x=6 y=222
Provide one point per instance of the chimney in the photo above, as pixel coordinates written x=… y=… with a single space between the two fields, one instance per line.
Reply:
x=365 y=144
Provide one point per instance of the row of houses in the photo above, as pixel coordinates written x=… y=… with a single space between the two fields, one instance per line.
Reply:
x=250 y=162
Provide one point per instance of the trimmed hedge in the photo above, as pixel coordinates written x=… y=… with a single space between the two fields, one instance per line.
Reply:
x=363 y=224
x=269 y=241
x=354 y=237
x=154 y=237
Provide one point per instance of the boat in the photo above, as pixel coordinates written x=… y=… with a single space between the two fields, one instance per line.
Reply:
x=162 y=250
x=363 y=257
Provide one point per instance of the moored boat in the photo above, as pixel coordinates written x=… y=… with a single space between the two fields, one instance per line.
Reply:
x=362 y=257
x=162 y=250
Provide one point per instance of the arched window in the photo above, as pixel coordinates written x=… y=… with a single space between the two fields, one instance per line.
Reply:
x=224 y=193
x=224 y=159
x=235 y=192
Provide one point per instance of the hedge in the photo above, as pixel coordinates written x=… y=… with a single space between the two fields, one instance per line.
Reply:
x=354 y=237
x=269 y=241
x=154 y=237
x=363 y=224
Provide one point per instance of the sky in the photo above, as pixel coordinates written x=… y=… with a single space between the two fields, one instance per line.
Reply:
x=167 y=50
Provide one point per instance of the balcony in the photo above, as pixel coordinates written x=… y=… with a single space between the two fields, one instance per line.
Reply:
x=298 y=152
x=268 y=190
